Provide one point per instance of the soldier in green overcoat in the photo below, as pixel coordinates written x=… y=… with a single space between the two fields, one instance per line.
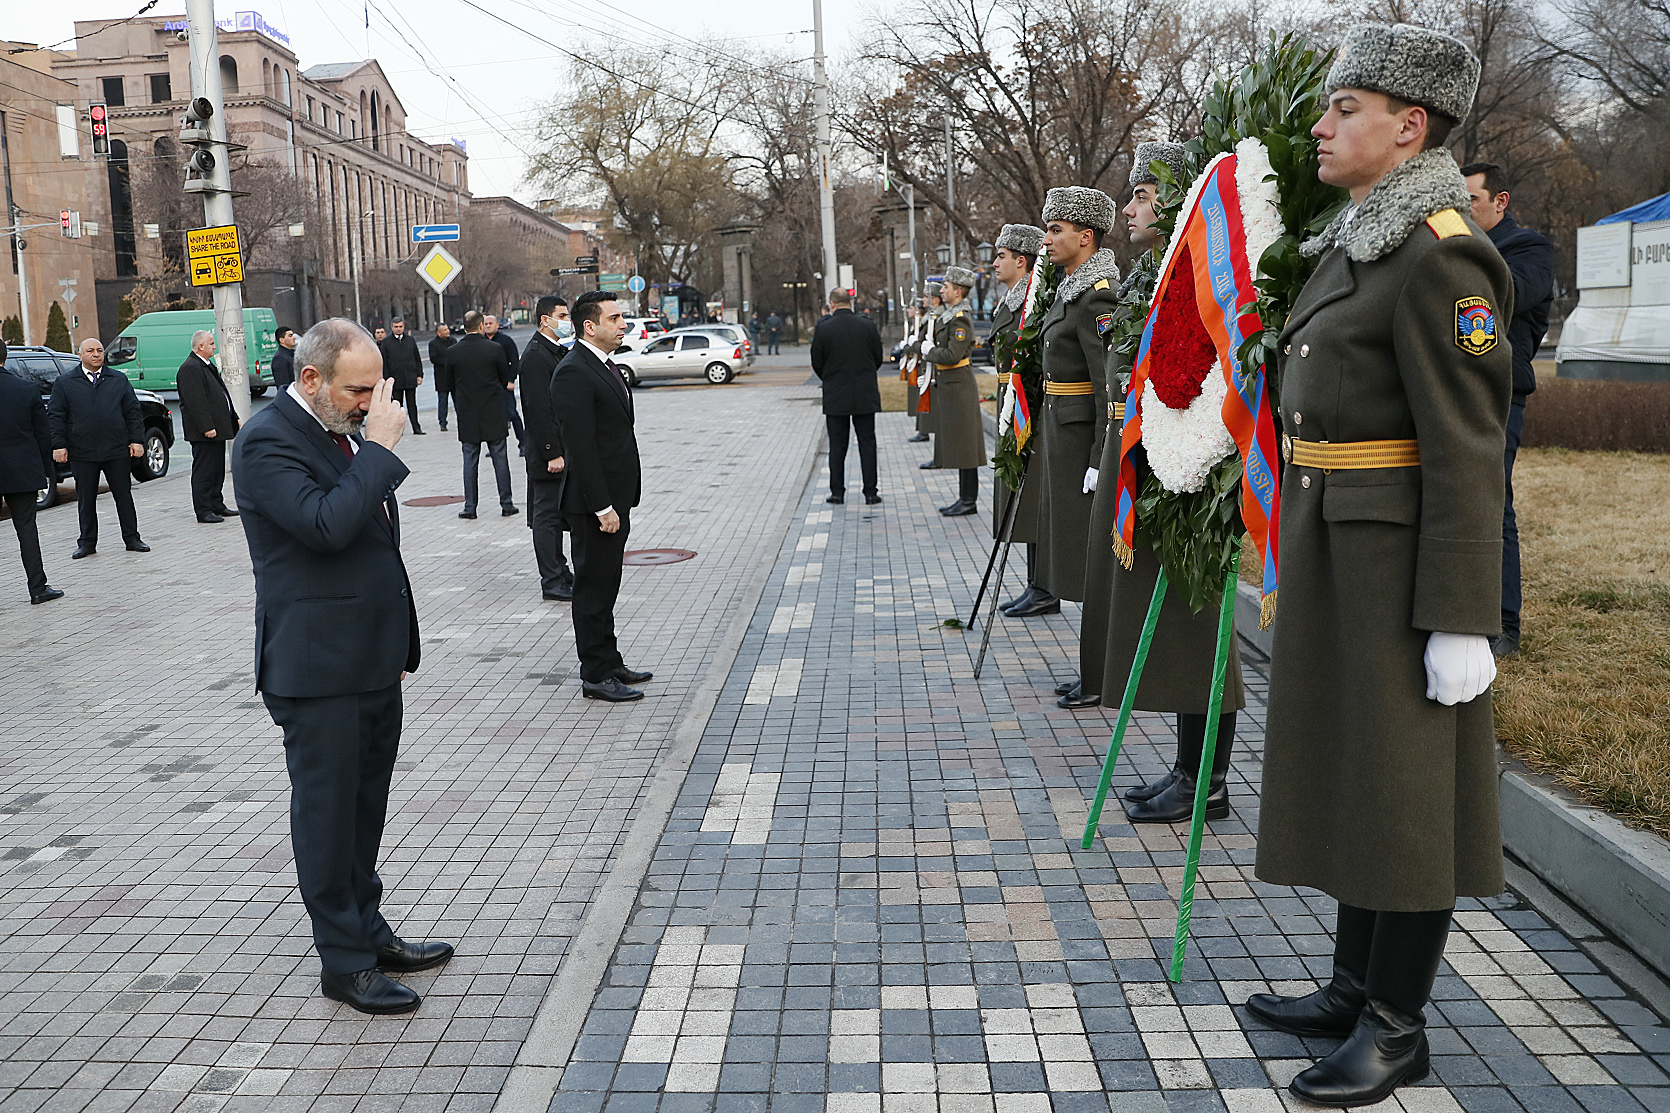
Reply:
x=1018 y=248
x=928 y=312
x=1380 y=773
x=959 y=432
x=1071 y=424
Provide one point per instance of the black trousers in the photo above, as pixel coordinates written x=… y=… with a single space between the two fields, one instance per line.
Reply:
x=440 y=406
x=208 y=476
x=340 y=752
x=22 y=506
x=118 y=473
x=1511 y=594
x=546 y=521
x=864 y=427
x=514 y=413
x=408 y=398
x=597 y=567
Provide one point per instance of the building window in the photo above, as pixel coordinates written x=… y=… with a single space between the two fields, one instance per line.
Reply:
x=339 y=123
x=161 y=91
x=121 y=211
x=310 y=110
x=228 y=75
x=113 y=95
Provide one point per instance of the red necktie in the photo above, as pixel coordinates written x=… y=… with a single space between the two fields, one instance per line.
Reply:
x=345 y=445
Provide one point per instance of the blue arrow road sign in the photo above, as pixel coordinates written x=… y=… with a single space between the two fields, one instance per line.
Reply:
x=635 y=284
x=431 y=233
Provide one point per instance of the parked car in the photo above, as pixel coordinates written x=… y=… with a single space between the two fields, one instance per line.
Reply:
x=640 y=329
x=150 y=350
x=735 y=333
x=684 y=354
x=45 y=365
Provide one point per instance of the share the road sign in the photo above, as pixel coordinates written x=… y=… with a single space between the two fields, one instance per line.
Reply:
x=434 y=233
x=213 y=257
x=439 y=268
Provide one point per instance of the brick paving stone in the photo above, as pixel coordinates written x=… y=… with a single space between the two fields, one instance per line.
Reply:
x=870 y=897
x=155 y=953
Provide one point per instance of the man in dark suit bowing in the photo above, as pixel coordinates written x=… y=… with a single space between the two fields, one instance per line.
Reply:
x=335 y=634
x=206 y=412
x=602 y=483
x=846 y=351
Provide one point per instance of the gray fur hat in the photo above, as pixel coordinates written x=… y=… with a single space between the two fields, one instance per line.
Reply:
x=1021 y=238
x=1416 y=64
x=1148 y=153
x=960 y=276
x=1081 y=205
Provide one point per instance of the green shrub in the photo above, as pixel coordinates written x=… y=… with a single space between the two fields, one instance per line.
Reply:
x=57 y=329
x=11 y=330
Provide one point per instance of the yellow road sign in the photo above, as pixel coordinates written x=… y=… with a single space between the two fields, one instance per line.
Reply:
x=214 y=255
x=439 y=268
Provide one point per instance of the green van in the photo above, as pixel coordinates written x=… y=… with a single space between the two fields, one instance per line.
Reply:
x=150 y=350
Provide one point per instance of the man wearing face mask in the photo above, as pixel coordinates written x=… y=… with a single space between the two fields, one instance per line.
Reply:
x=545 y=451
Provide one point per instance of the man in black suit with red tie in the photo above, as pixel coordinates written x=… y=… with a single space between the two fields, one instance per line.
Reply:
x=335 y=634
x=601 y=485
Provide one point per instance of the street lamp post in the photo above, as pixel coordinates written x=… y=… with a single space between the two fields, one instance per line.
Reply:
x=984 y=253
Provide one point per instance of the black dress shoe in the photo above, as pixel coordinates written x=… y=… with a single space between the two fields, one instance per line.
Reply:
x=1042 y=603
x=226 y=512
x=417 y=432
x=1067 y=687
x=443 y=426
x=872 y=500
x=917 y=439
x=401 y=955
x=83 y=551
x=1332 y=1010
x=47 y=595
x=1077 y=700
x=1504 y=645
x=960 y=509
x=138 y=547
x=508 y=512
x=207 y=518
x=611 y=690
x=1386 y=1049
x=369 y=991
x=631 y=676
x=927 y=464
x=1154 y=788
x=1020 y=600
x=1177 y=803
x=836 y=500
x=469 y=514
x=562 y=593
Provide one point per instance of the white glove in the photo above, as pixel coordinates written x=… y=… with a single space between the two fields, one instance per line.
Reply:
x=1459 y=667
x=1089 y=480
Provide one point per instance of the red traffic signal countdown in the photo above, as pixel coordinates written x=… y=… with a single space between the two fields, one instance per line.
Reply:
x=99 y=114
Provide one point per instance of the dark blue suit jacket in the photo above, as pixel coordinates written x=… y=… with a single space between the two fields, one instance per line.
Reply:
x=25 y=443
x=334 y=614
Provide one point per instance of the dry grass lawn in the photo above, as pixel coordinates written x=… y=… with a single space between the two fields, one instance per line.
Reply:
x=893 y=389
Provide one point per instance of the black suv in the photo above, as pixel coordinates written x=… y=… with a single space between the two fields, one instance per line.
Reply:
x=45 y=365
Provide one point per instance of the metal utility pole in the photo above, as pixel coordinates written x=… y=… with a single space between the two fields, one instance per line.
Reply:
x=14 y=217
x=910 y=200
x=826 y=193
x=217 y=197
x=950 y=195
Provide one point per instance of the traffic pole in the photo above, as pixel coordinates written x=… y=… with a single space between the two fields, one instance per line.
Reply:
x=217 y=199
x=826 y=191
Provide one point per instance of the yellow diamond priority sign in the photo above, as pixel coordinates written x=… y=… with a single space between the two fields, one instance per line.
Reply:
x=439 y=268
x=213 y=256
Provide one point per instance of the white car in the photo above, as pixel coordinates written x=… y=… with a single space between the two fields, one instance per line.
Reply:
x=640 y=329
x=688 y=353
x=735 y=333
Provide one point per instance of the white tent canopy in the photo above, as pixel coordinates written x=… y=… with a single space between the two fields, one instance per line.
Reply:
x=1620 y=328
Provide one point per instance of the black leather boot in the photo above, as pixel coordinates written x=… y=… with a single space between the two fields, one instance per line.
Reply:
x=1041 y=603
x=1388 y=1047
x=968 y=494
x=1332 y=1010
x=1191 y=735
x=1020 y=600
x=1078 y=699
x=1177 y=801
x=1067 y=687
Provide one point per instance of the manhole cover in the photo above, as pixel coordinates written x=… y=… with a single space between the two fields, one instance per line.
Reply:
x=656 y=556
x=434 y=500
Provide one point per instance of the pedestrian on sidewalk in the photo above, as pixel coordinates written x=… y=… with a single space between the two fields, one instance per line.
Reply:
x=846 y=354
x=403 y=364
x=481 y=379
x=490 y=329
x=336 y=633
x=1530 y=259
x=438 y=348
x=284 y=360
x=209 y=423
x=773 y=326
x=545 y=462
x=97 y=429
x=25 y=469
x=603 y=482
x=1380 y=774
x=954 y=396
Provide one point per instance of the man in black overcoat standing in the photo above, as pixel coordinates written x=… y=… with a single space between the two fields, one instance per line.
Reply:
x=602 y=483
x=97 y=429
x=481 y=378
x=402 y=363
x=846 y=352
x=491 y=330
x=284 y=360
x=545 y=461
x=25 y=468
x=437 y=365
x=336 y=632
x=210 y=423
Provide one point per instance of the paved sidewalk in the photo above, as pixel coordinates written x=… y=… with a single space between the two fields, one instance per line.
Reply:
x=154 y=953
x=870 y=897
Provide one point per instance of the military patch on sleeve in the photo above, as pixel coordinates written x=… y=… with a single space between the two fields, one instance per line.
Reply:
x=1104 y=322
x=961 y=333
x=1475 y=326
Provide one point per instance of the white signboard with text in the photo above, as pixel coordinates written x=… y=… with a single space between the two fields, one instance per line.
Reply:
x=1649 y=269
x=1603 y=256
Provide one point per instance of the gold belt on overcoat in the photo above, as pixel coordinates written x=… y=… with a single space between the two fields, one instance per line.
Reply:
x=1052 y=387
x=1351 y=455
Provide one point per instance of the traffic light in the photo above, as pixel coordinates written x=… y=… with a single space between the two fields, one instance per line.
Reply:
x=99 y=114
x=194 y=132
x=64 y=222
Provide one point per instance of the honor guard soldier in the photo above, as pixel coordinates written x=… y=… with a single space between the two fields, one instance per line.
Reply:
x=1380 y=770
x=1018 y=248
x=1072 y=423
x=932 y=307
x=953 y=397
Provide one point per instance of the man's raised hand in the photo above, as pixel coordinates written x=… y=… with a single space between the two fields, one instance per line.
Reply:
x=385 y=422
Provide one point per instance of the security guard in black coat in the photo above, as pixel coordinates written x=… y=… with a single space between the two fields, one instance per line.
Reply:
x=545 y=456
x=25 y=468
